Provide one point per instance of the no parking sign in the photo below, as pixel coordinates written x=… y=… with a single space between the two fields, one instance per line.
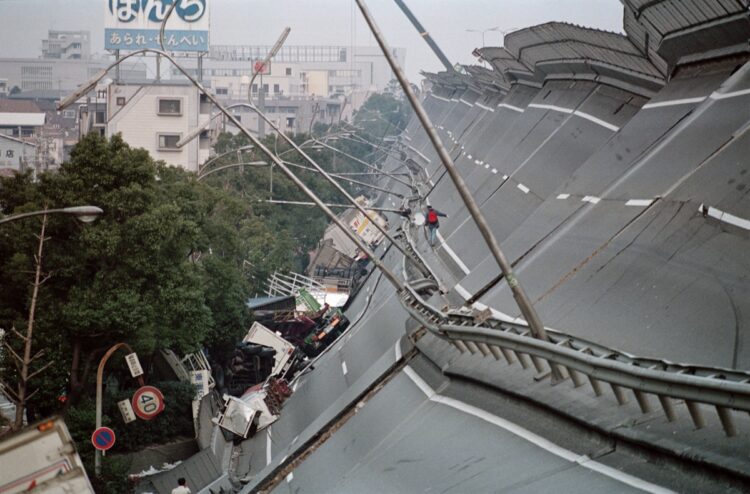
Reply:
x=103 y=438
x=148 y=402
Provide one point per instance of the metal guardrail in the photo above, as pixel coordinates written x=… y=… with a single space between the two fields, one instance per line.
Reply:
x=723 y=389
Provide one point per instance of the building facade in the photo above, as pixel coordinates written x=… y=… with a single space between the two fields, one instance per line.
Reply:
x=156 y=115
x=16 y=155
x=67 y=45
x=32 y=74
x=296 y=71
x=295 y=115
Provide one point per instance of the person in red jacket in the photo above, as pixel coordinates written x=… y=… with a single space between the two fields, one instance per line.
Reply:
x=433 y=224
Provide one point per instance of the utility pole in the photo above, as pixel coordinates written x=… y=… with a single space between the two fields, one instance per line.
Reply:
x=519 y=294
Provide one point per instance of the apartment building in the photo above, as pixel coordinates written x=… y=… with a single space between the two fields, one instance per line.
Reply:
x=155 y=115
x=67 y=45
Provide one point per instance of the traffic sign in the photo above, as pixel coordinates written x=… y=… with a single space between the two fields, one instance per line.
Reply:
x=261 y=67
x=128 y=415
x=148 y=402
x=103 y=438
x=134 y=364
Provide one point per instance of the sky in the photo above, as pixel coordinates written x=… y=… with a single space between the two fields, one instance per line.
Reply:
x=24 y=23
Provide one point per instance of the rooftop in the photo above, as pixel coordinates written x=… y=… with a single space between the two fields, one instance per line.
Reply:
x=18 y=106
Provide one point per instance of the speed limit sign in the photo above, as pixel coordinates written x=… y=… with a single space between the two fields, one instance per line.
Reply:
x=148 y=402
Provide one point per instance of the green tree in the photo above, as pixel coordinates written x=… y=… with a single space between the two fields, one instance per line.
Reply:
x=161 y=268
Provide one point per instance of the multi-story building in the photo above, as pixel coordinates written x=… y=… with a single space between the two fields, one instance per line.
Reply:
x=156 y=115
x=293 y=115
x=65 y=64
x=67 y=45
x=30 y=74
x=297 y=70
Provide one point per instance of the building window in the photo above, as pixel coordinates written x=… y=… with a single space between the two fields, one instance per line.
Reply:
x=255 y=88
x=265 y=88
x=288 y=71
x=170 y=106
x=289 y=122
x=222 y=90
x=121 y=101
x=276 y=89
x=168 y=142
x=69 y=114
x=100 y=117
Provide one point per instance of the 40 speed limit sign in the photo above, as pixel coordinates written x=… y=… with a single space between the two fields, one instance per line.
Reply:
x=148 y=402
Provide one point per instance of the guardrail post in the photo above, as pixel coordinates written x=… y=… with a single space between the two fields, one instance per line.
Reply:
x=472 y=347
x=619 y=394
x=695 y=414
x=596 y=386
x=496 y=352
x=575 y=376
x=521 y=359
x=668 y=407
x=725 y=415
x=508 y=355
x=642 y=400
x=460 y=346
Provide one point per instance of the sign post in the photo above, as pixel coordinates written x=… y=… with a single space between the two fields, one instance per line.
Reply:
x=148 y=402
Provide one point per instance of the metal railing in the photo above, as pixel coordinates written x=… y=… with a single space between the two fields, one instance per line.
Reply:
x=478 y=333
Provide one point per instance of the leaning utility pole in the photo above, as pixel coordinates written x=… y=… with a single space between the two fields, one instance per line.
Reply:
x=519 y=294
x=425 y=35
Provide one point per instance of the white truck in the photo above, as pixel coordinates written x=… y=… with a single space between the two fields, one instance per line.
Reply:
x=42 y=458
x=261 y=335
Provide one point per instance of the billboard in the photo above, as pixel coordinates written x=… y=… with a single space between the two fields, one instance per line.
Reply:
x=134 y=24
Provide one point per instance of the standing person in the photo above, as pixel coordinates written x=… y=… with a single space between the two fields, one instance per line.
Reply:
x=433 y=224
x=182 y=487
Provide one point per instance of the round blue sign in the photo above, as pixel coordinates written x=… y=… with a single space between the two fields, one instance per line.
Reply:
x=103 y=438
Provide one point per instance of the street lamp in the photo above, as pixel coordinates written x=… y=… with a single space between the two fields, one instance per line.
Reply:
x=261 y=92
x=84 y=214
x=496 y=29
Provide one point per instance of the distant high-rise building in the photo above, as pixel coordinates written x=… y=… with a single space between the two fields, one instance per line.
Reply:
x=67 y=45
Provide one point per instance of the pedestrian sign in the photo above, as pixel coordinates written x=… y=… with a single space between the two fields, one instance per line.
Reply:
x=103 y=438
x=148 y=402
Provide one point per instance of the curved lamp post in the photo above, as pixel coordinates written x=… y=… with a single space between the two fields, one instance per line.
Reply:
x=99 y=394
x=84 y=214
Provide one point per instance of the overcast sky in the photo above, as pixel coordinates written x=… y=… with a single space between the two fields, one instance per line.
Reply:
x=24 y=23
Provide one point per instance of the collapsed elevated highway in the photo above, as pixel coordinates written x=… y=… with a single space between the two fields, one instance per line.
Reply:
x=614 y=170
